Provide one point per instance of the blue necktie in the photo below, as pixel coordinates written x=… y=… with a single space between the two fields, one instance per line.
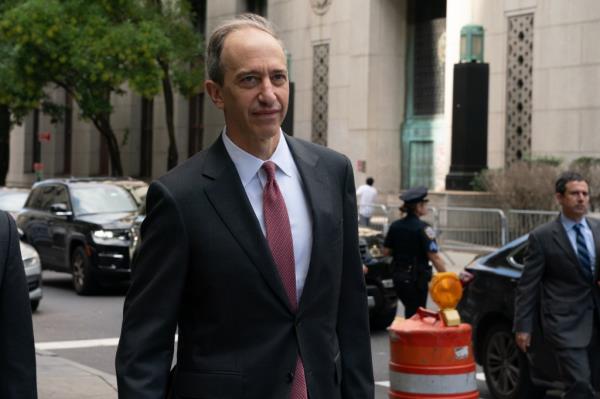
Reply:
x=582 y=251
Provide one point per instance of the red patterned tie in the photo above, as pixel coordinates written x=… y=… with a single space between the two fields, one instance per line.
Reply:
x=279 y=237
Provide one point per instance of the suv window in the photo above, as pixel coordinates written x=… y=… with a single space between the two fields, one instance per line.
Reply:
x=101 y=198
x=53 y=194
x=35 y=199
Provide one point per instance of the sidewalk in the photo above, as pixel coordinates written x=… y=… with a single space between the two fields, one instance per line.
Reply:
x=59 y=378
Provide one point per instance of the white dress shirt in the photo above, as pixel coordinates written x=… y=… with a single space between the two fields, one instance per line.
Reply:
x=290 y=184
x=367 y=195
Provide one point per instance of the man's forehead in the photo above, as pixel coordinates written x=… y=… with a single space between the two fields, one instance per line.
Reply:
x=249 y=38
x=577 y=185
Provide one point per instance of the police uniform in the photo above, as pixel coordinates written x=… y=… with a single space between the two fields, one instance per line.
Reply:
x=410 y=240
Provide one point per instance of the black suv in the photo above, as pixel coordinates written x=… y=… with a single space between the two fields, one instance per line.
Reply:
x=488 y=304
x=82 y=227
x=381 y=295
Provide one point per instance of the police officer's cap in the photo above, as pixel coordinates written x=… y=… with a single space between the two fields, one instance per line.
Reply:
x=414 y=195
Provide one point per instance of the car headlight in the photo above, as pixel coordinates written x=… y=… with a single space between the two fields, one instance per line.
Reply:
x=112 y=237
x=375 y=251
x=31 y=259
x=32 y=263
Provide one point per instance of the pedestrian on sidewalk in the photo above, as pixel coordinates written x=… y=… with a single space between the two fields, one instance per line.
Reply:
x=250 y=250
x=17 y=351
x=559 y=285
x=367 y=196
x=412 y=243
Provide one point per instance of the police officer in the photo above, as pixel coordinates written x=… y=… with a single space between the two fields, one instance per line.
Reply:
x=412 y=243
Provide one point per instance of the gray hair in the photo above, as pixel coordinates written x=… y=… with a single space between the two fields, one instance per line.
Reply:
x=217 y=40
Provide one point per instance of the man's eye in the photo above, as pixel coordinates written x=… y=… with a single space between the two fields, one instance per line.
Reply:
x=249 y=80
x=279 y=78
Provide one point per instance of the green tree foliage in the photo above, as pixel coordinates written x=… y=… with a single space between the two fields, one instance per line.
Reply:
x=182 y=61
x=93 y=49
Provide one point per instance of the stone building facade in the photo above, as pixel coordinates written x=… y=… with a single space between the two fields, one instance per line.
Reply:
x=374 y=79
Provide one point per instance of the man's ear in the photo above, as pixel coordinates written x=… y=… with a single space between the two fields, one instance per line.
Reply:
x=215 y=92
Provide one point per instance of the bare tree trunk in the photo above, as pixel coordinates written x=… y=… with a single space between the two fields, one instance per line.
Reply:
x=103 y=125
x=173 y=156
x=4 y=143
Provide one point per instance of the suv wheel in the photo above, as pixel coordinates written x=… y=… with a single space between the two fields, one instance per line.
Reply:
x=506 y=368
x=81 y=271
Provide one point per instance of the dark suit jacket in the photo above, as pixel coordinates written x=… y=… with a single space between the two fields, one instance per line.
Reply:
x=205 y=267
x=17 y=353
x=554 y=284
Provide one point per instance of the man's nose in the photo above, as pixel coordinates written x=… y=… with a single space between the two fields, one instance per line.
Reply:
x=267 y=94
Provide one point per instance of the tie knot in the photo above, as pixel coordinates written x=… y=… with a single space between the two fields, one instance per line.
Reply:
x=269 y=168
x=578 y=227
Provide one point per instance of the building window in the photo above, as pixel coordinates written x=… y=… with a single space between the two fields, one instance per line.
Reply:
x=320 y=93
x=68 y=126
x=196 y=123
x=146 y=137
x=519 y=71
x=429 y=58
x=257 y=7
x=33 y=145
x=199 y=14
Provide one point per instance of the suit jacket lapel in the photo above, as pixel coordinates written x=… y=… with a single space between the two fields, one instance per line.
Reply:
x=316 y=185
x=228 y=197
x=595 y=227
x=561 y=238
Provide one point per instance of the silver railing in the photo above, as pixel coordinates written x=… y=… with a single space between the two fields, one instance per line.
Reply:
x=460 y=228
x=523 y=221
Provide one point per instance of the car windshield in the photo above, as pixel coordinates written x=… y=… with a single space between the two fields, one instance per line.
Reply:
x=12 y=201
x=101 y=198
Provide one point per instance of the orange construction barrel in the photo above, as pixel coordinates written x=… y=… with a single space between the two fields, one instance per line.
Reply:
x=430 y=360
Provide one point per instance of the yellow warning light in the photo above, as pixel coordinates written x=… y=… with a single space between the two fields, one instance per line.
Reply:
x=446 y=291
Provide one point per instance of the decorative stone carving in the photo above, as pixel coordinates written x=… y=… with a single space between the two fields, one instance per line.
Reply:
x=320 y=7
x=519 y=71
x=320 y=93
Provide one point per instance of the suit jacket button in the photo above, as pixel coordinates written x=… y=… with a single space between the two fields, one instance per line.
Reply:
x=290 y=377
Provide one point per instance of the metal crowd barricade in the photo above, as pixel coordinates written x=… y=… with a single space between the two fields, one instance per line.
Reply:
x=470 y=228
x=522 y=221
x=382 y=217
x=460 y=228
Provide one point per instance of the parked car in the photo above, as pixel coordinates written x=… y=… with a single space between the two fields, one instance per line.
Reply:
x=13 y=199
x=82 y=227
x=381 y=295
x=488 y=305
x=33 y=273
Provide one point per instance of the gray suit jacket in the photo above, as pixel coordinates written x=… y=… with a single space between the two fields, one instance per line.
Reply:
x=17 y=353
x=554 y=285
x=204 y=267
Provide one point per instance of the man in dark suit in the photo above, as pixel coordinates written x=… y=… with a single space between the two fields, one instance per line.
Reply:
x=250 y=249
x=560 y=281
x=17 y=353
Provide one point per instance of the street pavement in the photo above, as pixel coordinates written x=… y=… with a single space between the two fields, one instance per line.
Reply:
x=62 y=377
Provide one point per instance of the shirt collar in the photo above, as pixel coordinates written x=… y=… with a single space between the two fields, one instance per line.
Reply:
x=570 y=223
x=248 y=165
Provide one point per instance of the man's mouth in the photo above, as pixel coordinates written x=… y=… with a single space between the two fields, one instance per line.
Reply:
x=266 y=112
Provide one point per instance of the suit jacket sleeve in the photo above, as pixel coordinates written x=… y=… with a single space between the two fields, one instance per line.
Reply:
x=17 y=353
x=528 y=289
x=150 y=313
x=353 y=323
